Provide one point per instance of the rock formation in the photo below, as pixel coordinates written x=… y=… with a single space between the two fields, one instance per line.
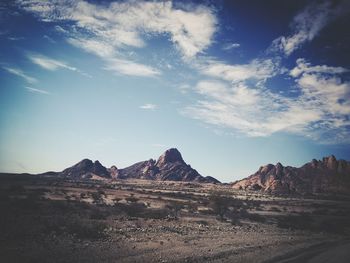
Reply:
x=169 y=167
x=86 y=169
x=328 y=175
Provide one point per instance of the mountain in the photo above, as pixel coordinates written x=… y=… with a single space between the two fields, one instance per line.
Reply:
x=328 y=175
x=169 y=167
x=86 y=169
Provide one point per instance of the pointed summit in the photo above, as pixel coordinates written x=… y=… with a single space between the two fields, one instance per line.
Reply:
x=170 y=156
x=169 y=167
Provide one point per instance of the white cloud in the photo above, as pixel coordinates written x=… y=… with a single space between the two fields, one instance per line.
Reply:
x=304 y=67
x=49 y=63
x=257 y=69
x=320 y=112
x=21 y=74
x=328 y=93
x=184 y=88
x=230 y=46
x=126 y=67
x=307 y=24
x=99 y=48
x=239 y=100
x=106 y=30
x=50 y=39
x=60 y=29
x=236 y=106
x=148 y=106
x=34 y=90
x=236 y=97
x=15 y=38
x=53 y=64
x=113 y=63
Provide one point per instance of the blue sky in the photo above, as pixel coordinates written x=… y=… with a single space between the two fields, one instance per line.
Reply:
x=232 y=84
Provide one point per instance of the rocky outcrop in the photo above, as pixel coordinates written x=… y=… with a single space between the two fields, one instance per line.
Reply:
x=86 y=169
x=169 y=167
x=328 y=175
x=113 y=171
x=141 y=170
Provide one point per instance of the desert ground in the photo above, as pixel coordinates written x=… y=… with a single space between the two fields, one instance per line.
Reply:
x=48 y=219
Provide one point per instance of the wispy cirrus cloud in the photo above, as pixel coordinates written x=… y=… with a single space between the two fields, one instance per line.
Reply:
x=98 y=47
x=232 y=95
x=320 y=112
x=229 y=46
x=126 y=67
x=49 y=63
x=308 y=23
x=20 y=73
x=113 y=27
x=48 y=38
x=258 y=69
x=15 y=38
x=234 y=106
x=52 y=64
x=35 y=90
x=113 y=63
x=304 y=67
x=184 y=88
x=148 y=106
x=240 y=99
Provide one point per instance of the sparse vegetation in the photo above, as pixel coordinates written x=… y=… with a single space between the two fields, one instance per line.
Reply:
x=220 y=204
x=83 y=214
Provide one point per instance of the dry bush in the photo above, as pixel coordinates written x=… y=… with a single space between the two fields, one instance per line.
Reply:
x=131 y=199
x=174 y=208
x=220 y=204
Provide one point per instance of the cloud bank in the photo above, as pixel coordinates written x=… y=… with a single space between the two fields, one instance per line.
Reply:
x=104 y=30
x=237 y=96
x=234 y=96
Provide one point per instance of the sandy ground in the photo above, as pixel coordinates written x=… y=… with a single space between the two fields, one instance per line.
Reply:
x=60 y=221
x=337 y=251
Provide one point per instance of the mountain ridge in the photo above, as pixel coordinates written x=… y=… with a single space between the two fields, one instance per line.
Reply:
x=328 y=175
x=170 y=166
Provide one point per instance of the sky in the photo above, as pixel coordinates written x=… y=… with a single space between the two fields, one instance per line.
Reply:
x=232 y=84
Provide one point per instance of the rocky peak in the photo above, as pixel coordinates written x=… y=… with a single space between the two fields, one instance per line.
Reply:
x=265 y=169
x=325 y=175
x=86 y=167
x=279 y=166
x=314 y=163
x=113 y=171
x=97 y=163
x=84 y=164
x=170 y=156
x=330 y=162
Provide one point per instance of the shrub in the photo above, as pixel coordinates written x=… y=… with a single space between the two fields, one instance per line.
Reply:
x=175 y=208
x=116 y=200
x=97 y=197
x=220 y=204
x=131 y=199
